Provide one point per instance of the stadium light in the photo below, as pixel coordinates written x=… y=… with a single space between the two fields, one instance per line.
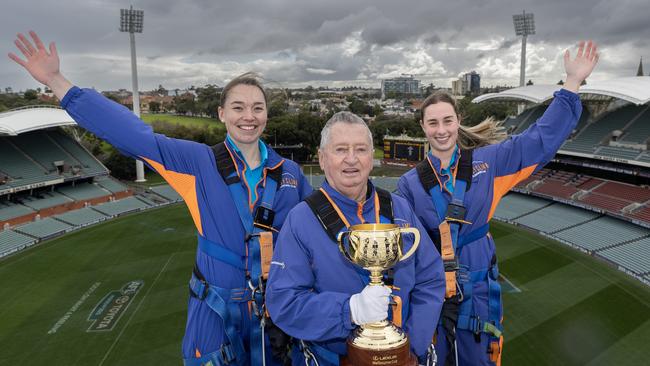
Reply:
x=131 y=21
x=524 y=26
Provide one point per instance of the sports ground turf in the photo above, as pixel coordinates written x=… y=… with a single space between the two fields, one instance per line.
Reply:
x=565 y=307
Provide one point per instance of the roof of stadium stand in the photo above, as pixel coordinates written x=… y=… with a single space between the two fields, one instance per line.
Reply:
x=634 y=89
x=532 y=93
x=27 y=119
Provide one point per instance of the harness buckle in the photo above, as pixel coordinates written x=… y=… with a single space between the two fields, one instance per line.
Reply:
x=451 y=265
x=258 y=306
x=456 y=212
x=263 y=217
x=475 y=323
x=459 y=291
x=227 y=355
x=250 y=236
x=205 y=286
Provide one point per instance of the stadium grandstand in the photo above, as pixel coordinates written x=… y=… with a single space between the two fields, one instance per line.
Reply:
x=595 y=194
x=50 y=184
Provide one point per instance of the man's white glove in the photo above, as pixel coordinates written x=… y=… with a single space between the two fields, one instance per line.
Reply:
x=370 y=305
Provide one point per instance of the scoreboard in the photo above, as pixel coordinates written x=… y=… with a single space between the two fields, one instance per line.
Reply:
x=404 y=148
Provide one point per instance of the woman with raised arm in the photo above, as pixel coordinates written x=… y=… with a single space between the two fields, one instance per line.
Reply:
x=238 y=193
x=454 y=193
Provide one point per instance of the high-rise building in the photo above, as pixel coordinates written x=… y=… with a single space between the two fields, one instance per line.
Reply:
x=400 y=86
x=468 y=83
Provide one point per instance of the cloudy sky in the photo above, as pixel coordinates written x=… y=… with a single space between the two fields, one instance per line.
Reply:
x=333 y=42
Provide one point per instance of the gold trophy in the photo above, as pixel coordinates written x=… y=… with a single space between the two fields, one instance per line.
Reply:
x=377 y=247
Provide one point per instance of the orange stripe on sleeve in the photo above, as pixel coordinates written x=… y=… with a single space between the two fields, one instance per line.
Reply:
x=185 y=185
x=503 y=184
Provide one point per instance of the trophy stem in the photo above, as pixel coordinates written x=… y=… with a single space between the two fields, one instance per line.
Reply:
x=376 y=277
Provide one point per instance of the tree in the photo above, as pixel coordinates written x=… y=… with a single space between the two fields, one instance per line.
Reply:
x=30 y=94
x=358 y=106
x=207 y=101
x=121 y=167
x=154 y=107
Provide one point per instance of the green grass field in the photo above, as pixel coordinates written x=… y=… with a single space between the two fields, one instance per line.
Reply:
x=184 y=120
x=572 y=309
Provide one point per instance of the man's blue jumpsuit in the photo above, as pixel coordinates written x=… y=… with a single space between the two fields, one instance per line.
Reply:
x=496 y=169
x=310 y=282
x=190 y=168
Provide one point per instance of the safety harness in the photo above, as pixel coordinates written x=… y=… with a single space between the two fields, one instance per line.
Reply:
x=333 y=222
x=459 y=280
x=259 y=248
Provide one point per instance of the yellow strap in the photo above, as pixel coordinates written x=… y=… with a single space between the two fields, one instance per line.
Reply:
x=266 y=252
x=447 y=254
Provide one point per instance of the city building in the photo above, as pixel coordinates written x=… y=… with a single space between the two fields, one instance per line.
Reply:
x=400 y=86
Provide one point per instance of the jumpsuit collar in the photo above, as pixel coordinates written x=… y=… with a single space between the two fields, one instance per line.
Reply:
x=264 y=154
x=352 y=208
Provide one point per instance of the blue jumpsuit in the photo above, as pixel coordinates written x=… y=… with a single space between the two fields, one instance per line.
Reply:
x=310 y=282
x=496 y=169
x=190 y=168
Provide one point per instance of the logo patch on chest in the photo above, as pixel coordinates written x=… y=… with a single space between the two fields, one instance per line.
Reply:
x=288 y=180
x=478 y=168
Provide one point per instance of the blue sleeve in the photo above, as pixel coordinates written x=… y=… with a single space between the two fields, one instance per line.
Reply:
x=428 y=293
x=118 y=126
x=538 y=144
x=292 y=302
x=404 y=191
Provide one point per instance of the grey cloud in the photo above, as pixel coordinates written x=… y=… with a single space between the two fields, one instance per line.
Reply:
x=285 y=37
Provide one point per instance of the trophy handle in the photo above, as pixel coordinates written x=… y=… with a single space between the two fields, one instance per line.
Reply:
x=416 y=241
x=341 y=240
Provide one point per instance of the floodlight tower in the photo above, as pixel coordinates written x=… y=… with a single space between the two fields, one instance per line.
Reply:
x=524 y=26
x=131 y=21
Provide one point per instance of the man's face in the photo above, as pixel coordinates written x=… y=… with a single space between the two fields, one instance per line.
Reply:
x=440 y=125
x=244 y=113
x=347 y=158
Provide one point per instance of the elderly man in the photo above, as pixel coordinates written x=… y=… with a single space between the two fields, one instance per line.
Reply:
x=314 y=294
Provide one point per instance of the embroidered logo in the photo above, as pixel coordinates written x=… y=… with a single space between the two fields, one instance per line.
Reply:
x=478 y=168
x=288 y=180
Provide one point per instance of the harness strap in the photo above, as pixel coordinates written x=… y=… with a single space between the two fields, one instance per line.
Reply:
x=224 y=302
x=224 y=356
x=221 y=253
x=451 y=244
x=330 y=218
x=259 y=242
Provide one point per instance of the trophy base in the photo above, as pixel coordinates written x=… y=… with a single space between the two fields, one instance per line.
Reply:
x=398 y=356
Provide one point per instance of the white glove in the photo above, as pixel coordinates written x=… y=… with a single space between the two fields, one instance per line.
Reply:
x=370 y=305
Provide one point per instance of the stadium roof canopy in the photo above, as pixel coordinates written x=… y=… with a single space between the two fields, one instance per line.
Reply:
x=634 y=89
x=532 y=93
x=27 y=119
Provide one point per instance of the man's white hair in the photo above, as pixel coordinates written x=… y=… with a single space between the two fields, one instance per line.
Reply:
x=342 y=117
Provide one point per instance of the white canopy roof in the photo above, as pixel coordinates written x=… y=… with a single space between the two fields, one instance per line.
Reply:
x=33 y=118
x=532 y=93
x=634 y=89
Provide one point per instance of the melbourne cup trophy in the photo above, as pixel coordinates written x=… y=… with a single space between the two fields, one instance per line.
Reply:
x=377 y=248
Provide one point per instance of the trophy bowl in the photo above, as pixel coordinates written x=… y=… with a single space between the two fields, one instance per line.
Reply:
x=376 y=248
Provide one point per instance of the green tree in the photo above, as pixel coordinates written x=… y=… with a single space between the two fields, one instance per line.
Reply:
x=121 y=167
x=154 y=107
x=30 y=94
x=207 y=101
